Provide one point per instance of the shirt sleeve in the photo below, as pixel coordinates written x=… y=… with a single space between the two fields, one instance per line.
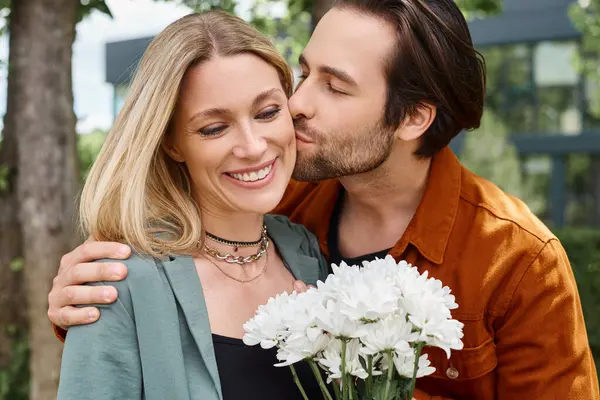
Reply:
x=60 y=333
x=101 y=361
x=541 y=342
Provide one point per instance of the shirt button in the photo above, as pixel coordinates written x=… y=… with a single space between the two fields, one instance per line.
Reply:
x=452 y=373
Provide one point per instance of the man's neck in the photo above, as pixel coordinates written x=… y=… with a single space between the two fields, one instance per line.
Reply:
x=379 y=205
x=395 y=188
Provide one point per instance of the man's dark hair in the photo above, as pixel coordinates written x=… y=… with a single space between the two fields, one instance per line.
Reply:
x=434 y=63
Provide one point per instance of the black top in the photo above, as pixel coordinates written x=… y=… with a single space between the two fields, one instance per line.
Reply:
x=247 y=373
x=335 y=257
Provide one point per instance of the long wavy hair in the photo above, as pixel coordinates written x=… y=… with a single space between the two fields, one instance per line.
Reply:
x=135 y=193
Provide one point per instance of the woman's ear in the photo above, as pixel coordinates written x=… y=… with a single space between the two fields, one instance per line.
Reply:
x=168 y=145
x=417 y=123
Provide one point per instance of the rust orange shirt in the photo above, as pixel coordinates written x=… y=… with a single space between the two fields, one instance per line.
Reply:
x=525 y=336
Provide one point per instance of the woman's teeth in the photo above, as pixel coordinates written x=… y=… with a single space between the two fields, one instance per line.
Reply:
x=253 y=176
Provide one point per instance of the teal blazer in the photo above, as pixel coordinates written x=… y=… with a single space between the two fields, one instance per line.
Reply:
x=155 y=341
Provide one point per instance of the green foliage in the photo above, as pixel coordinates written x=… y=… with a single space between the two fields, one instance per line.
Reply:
x=583 y=249
x=17 y=264
x=87 y=6
x=290 y=32
x=3 y=178
x=479 y=8
x=205 y=5
x=379 y=388
x=14 y=379
x=585 y=14
x=88 y=147
x=488 y=152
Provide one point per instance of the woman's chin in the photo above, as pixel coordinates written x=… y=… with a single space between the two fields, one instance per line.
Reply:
x=260 y=206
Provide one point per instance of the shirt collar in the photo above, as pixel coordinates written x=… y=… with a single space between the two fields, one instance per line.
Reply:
x=431 y=226
x=429 y=230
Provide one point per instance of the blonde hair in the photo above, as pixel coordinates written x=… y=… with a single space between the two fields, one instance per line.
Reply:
x=135 y=193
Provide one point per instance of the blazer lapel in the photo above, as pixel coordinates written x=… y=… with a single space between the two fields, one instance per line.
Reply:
x=288 y=243
x=184 y=280
x=183 y=277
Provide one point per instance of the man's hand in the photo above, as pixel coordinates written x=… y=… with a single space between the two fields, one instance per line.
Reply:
x=78 y=267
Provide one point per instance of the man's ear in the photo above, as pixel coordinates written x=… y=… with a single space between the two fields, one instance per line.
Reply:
x=417 y=123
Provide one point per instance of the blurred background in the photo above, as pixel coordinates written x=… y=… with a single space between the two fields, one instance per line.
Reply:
x=65 y=66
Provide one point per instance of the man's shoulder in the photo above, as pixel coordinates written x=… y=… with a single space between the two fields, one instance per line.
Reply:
x=300 y=195
x=506 y=211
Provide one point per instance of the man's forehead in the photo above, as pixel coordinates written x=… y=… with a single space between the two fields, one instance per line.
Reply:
x=345 y=38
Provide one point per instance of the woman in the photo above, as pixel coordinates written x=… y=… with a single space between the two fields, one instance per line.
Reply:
x=202 y=149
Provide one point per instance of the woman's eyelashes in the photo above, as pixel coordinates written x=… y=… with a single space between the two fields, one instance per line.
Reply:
x=265 y=115
x=269 y=114
x=212 y=130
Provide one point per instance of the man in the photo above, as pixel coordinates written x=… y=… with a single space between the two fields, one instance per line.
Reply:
x=386 y=85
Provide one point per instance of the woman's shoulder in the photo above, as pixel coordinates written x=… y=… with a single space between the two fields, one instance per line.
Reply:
x=281 y=223
x=297 y=245
x=138 y=266
x=145 y=277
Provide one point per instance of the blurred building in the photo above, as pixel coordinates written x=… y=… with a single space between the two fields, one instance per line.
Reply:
x=534 y=89
x=544 y=102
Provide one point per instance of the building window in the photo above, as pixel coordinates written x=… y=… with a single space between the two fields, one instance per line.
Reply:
x=510 y=91
x=535 y=88
x=557 y=87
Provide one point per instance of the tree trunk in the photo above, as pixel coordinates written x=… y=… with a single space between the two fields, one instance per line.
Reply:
x=13 y=306
x=319 y=9
x=42 y=34
x=12 y=298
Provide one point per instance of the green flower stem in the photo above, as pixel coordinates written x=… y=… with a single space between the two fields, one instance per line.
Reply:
x=390 y=374
x=349 y=379
x=336 y=389
x=413 y=382
x=369 y=383
x=344 y=377
x=298 y=383
x=317 y=372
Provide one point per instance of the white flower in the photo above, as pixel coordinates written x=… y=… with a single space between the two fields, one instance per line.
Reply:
x=433 y=319
x=303 y=310
x=267 y=327
x=447 y=335
x=330 y=319
x=405 y=365
x=301 y=345
x=305 y=339
x=412 y=283
x=392 y=333
x=383 y=307
x=386 y=267
x=366 y=294
x=331 y=360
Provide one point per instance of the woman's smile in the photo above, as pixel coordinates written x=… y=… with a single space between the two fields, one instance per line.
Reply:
x=254 y=177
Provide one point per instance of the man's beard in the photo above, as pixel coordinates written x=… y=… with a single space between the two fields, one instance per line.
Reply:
x=342 y=154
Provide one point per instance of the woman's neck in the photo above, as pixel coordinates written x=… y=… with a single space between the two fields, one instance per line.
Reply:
x=235 y=227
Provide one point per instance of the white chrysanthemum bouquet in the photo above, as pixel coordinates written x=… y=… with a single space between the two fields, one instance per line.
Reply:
x=364 y=327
